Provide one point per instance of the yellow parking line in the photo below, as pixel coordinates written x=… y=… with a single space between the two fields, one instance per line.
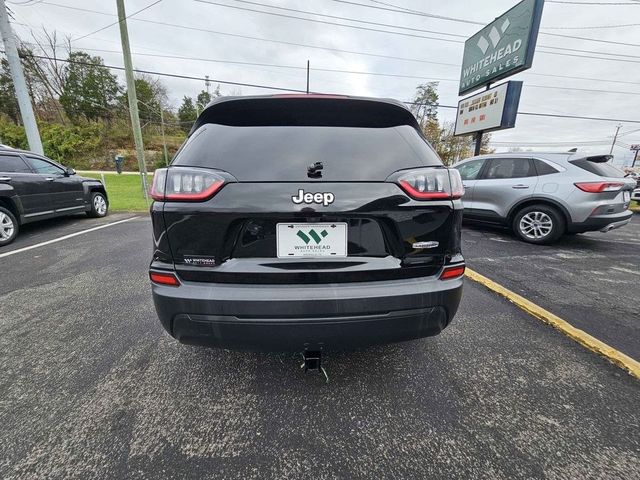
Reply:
x=583 y=338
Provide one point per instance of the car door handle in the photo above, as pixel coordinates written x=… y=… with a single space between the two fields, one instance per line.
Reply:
x=5 y=179
x=49 y=179
x=520 y=186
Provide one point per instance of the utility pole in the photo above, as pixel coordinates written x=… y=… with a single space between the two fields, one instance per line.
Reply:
x=164 y=141
x=207 y=83
x=307 y=76
x=19 y=83
x=132 y=97
x=615 y=137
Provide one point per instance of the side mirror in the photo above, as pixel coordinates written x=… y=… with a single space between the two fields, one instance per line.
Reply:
x=69 y=172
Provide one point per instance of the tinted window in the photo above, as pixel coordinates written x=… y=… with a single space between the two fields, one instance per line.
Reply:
x=599 y=168
x=470 y=170
x=44 y=167
x=543 y=168
x=283 y=153
x=509 y=168
x=13 y=163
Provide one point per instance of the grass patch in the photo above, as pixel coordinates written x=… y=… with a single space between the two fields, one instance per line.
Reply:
x=124 y=191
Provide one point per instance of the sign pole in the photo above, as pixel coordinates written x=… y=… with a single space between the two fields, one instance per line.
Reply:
x=478 y=143
x=635 y=157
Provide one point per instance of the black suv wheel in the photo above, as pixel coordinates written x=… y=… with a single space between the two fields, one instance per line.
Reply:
x=540 y=224
x=8 y=227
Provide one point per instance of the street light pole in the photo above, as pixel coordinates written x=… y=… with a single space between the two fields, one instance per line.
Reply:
x=615 y=137
x=19 y=83
x=164 y=141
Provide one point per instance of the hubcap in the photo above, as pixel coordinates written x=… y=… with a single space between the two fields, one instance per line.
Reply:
x=6 y=226
x=536 y=225
x=100 y=205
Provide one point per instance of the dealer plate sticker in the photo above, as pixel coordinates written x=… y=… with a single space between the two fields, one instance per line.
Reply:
x=311 y=240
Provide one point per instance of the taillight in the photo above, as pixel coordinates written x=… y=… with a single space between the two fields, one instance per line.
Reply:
x=452 y=272
x=599 y=187
x=432 y=183
x=185 y=184
x=164 y=279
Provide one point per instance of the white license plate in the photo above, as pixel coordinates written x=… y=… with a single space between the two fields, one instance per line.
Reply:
x=311 y=240
x=626 y=196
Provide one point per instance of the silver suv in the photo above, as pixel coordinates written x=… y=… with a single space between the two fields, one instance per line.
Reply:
x=542 y=196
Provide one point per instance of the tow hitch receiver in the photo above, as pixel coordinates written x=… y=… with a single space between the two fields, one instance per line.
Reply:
x=313 y=363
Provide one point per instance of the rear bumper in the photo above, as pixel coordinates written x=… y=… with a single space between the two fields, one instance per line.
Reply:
x=298 y=317
x=603 y=224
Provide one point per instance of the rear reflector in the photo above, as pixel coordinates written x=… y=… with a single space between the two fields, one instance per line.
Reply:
x=599 y=187
x=164 y=279
x=178 y=184
x=452 y=272
x=432 y=184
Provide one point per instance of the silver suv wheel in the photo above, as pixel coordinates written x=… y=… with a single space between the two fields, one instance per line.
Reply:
x=539 y=223
x=536 y=225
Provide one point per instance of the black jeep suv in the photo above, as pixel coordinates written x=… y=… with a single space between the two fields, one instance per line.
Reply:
x=305 y=222
x=33 y=187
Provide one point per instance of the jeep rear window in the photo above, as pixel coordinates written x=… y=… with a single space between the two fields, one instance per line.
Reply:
x=283 y=153
x=599 y=168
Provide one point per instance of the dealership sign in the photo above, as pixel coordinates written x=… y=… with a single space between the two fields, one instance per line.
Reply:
x=493 y=109
x=502 y=48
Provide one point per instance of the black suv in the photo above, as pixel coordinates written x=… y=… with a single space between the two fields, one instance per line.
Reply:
x=33 y=187
x=305 y=222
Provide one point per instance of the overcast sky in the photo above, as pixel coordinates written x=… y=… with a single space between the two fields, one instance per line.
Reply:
x=424 y=58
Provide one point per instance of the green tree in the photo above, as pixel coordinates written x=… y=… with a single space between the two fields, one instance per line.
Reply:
x=187 y=113
x=204 y=97
x=449 y=147
x=8 y=102
x=151 y=94
x=90 y=89
x=425 y=103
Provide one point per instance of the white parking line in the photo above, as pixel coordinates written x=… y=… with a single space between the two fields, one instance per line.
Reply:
x=59 y=239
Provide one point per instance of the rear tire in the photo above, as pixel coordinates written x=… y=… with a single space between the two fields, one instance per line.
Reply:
x=8 y=227
x=539 y=224
x=99 y=206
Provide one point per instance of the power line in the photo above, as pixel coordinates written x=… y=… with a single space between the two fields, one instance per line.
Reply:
x=27 y=3
x=176 y=75
x=590 y=3
x=116 y=22
x=589 y=56
x=410 y=12
x=472 y=22
x=354 y=72
x=591 y=27
x=294 y=17
x=352 y=52
x=270 y=87
x=306 y=12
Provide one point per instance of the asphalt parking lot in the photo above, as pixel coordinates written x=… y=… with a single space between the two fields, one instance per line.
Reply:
x=92 y=387
x=591 y=280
